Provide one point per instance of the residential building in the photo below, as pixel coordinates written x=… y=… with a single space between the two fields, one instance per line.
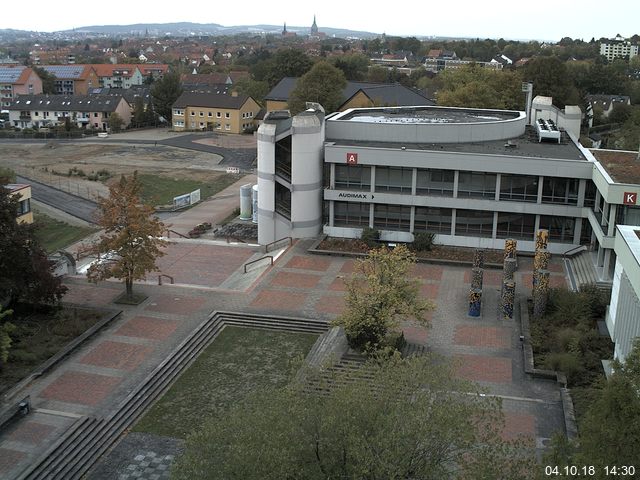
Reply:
x=154 y=70
x=119 y=75
x=229 y=113
x=73 y=79
x=606 y=103
x=618 y=48
x=439 y=64
x=355 y=94
x=473 y=177
x=18 y=80
x=23 y=194
x=83 y=111
x=623 y=313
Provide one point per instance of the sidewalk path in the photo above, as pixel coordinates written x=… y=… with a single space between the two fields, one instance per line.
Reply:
x=97 y=377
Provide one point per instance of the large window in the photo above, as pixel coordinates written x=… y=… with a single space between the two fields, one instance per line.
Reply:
x=560 y=228
x=347 y=214
x=477 y=185
x=474 y=223
x=24 y=206
x=283 y=201
x=590 y=194
x=431 y=219
x=435 y=182
x=283 y=157
x=519 y=188
x=394 y=179
x=515 y=225
x=560 y=190
x=392 y=217
x=353 y=177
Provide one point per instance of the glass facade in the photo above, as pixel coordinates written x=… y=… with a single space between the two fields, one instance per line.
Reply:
x=560 y=228
x=394 y=179
x=431 y=219
x=474 y=223
x=347 y=214
x=558 y=190
x=283 y=201
x=392 y=217
x=353 y=177
x=519 y=188
x=477 y=185
x=515 y=225
x=435 y=182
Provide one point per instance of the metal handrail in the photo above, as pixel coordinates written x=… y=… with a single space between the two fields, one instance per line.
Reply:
x=164 y=275
x=266 y=247
x=169 y=232
x=573 y=250
x=270 y=257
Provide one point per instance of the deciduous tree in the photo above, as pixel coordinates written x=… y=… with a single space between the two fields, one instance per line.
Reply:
x=323 y=84
x=380 y=295
x=397 y=419
x=25 y=271
x=131 y=240
x=165 y=92
x=115 y=122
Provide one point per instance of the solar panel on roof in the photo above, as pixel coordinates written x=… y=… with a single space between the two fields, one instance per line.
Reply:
x=10 y=74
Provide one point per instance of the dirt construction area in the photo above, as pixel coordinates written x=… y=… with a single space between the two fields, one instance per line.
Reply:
x=51 y=163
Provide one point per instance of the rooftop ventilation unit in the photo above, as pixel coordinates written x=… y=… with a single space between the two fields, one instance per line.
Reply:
x=547 y=129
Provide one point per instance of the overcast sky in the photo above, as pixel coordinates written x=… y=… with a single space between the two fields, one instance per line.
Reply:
x=515 y=19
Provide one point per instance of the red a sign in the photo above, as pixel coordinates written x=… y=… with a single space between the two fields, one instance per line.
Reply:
x=630 y=198
x=352 y=158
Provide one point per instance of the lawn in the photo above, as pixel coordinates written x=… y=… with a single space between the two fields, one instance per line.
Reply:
x=160 y=190
x=54 y=234
x=38 y=336
x=238 y=362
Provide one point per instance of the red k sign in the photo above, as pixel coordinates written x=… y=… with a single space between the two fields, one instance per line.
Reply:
x=630 y=198
x=352 y=158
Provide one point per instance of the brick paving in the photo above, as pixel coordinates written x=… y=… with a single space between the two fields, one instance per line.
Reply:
x=100 y=374
x=31 y=432
x=175 y=304
x=148 y=327
x=117 y=355
x=480 y=336
x=79 y=387
x=489 y=277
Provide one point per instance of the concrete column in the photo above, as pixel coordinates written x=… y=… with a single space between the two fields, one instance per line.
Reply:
x=414 y=181
x=453 y=222
x=582 y=189
x=412 y=218
x=498 y=180
x=373 y=179
x=607 y=262
x=456 y=176
x=494 y=228
x=371 y=212
x=332 y=176
x=578 y=230
x=613 y=209
x=540 y=185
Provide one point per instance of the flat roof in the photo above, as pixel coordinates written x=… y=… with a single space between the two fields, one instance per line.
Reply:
x=622 y=166
x=526 y=145
x=14 y=187
x=426 y=114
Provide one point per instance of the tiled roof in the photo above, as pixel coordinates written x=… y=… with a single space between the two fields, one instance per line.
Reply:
x=385 y=93
x=210 y=100
x=118 y=69
x=607 y=100
x=66 y=103
x=11 y=74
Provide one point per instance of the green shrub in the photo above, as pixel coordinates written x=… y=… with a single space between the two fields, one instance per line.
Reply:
x=423 y=241
x=370 y=236
x=566 y=340
x=7 y=173
x=568 y=363
x=23 y=356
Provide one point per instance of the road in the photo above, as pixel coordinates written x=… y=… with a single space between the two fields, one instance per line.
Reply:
x=72 y=204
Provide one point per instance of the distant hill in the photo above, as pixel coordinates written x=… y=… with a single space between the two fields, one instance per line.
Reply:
x=189 y=29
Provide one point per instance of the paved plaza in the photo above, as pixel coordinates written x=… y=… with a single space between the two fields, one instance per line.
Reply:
x=101 y=373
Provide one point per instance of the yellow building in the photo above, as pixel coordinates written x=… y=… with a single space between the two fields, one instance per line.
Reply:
x=23 y=192
x=223 y=112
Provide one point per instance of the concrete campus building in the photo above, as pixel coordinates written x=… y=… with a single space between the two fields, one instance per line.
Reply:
x=473 y=177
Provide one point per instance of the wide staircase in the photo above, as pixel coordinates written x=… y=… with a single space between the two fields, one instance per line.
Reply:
x=582 y=272
x=90 y=437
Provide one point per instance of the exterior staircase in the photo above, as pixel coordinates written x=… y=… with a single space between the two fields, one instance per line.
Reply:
x=582 y=272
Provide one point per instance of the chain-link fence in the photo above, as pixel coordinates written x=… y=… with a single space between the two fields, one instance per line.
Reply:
x=62 y=181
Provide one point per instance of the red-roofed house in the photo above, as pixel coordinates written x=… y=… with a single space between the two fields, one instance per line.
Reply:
x=18 y=80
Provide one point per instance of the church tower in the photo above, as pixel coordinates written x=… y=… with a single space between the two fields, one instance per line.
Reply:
x=314 y=28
